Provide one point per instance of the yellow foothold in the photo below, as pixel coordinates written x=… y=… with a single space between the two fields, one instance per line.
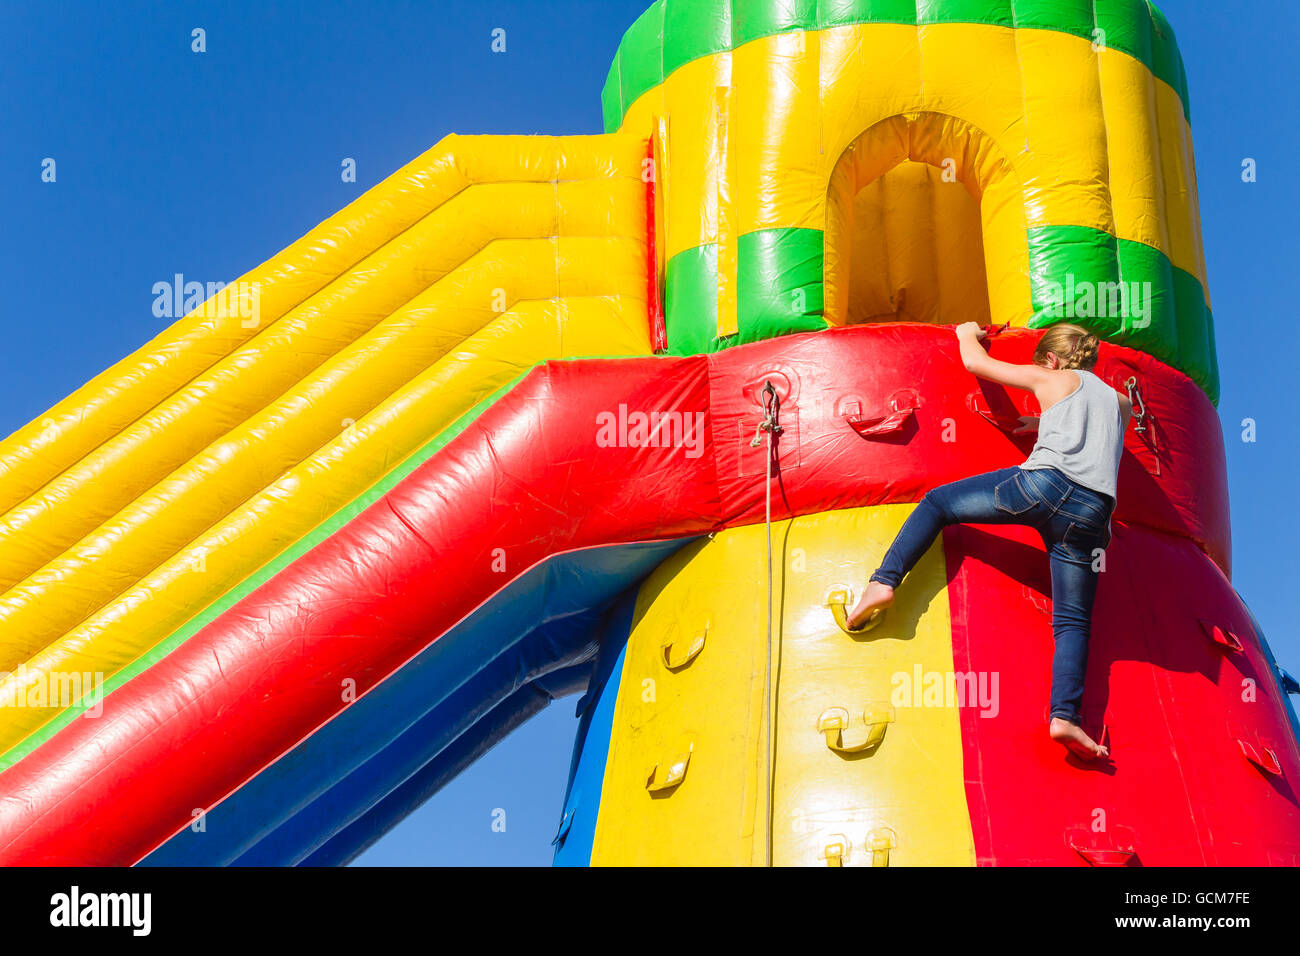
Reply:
x=835 y=721
x=837 y=851
x=676 y=773
x=837 y=600
x=880 y=841
x=691 y=652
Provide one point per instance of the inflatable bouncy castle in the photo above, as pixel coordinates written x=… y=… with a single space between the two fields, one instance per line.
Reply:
x=626 y=417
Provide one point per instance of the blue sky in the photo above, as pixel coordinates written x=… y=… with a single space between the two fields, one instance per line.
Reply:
x=207 y=165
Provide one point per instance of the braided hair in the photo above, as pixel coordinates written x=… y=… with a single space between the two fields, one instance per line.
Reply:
x=1074 y=346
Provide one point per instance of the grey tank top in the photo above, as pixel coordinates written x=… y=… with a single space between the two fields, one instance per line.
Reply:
x=1082 y=436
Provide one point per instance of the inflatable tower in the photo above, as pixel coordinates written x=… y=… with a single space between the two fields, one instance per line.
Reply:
x=624 y=417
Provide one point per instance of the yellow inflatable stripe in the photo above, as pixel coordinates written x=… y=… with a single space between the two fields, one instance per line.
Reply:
x=763 y=144
x=115 y=398
x=1065 y=165
x=310 y=492
x=908 y=793
x=258 y=374
x=691 y=203
x=1128 y=90
x=1081 y=166
x=728 y=226
x=1185 y=249
x=1006 y=252
x=160 y=522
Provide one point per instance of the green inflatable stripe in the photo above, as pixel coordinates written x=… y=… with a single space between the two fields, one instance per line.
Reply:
x=1167 y=62
x=675 y=32
x=1126 y=291
x=1212 y=356
x=698 y=28
x=779 y=289
x=611 y=97
x=267 y=571
x=965 y=11
x=754 y=20
x=691 y=301
x=640 y=67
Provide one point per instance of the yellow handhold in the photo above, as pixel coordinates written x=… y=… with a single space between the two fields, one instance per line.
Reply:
x=675 y=775
x=837 y=852
x=835 y=721
x=689 y=655
x=879 y=842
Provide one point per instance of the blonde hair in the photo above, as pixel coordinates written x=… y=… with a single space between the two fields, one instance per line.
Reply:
x=1076 y=347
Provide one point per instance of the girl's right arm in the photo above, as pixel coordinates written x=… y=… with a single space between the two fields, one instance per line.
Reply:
x=980 y=363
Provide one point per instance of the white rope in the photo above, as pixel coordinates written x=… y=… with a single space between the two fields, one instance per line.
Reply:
x=767 y=671
x=770 y=414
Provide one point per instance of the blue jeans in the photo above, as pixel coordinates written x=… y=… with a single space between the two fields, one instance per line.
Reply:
x=1073 y=521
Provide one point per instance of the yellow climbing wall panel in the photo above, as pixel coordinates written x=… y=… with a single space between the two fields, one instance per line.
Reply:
x=899 y=801
x=711 y=708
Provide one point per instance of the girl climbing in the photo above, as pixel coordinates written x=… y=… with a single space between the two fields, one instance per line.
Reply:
x=1065 y=489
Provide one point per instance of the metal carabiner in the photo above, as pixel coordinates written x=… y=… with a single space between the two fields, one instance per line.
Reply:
x=1139 y=406
x=771 y=411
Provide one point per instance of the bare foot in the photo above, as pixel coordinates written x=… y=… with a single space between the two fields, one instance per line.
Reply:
x=1072 y=736
x=876 y=597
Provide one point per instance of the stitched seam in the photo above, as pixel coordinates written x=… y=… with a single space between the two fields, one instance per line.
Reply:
x=997 y=498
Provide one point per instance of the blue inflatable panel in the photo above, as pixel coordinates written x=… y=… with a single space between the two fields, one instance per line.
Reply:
x=491 y=728
x=561 y=644
x=577 y=826
x=1279 y=675
x=564 y=586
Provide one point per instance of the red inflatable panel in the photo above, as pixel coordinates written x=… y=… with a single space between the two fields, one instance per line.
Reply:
x=539 y=474
x=525 y=481
x=1173 y=477
x=1179 y=789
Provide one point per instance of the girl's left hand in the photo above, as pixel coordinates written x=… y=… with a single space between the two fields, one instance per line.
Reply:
x=971 y=329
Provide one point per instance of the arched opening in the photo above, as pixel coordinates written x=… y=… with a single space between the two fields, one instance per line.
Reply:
x=916 y=250
x=908 y=214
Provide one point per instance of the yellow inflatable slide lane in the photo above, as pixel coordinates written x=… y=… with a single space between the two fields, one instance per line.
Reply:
x=169 y=479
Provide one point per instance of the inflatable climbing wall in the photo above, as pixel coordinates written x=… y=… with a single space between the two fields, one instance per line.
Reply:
x=622 y=417
x=861 y=172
